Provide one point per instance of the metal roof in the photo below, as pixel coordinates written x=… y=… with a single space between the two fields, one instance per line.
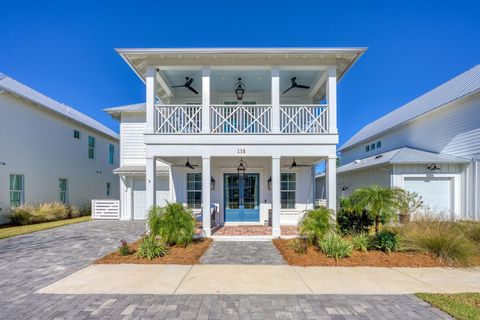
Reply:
x=403 y=155
x=11 y=85
x=132 y=170
x=465 y=84
x=135 y=108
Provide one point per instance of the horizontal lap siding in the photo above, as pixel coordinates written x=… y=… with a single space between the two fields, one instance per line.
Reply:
x=132 y=131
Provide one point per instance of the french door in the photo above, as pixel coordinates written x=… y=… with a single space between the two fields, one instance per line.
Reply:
x=241 y=197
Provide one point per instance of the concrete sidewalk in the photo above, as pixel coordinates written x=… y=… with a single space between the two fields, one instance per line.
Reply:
x=263 y=279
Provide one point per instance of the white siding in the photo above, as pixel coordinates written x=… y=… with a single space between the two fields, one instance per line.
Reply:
x=132 y=129
x=348 y=182
x=40 y=145
x=453 y=129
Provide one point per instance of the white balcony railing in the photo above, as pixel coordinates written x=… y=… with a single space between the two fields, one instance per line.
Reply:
x=304 y=118
x=178 y=119
x=240 y=118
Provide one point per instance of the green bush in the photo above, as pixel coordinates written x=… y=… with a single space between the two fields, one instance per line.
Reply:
x=361 y=242
x=471 y=230
x=387 y=241
x=124 y=248
x=173 y=223
x=151 y=248
x=21 y=216
x=299 y=245
x=351 y=221
x=315 y=224
x=334 y=246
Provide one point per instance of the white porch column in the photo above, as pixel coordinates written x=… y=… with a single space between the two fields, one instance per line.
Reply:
x=150 y=183
x=150 y=100
x=275 y=100
x=206 y=195
x=332 y=100
x=331 y=182
x=205 y=100
x=276 y=205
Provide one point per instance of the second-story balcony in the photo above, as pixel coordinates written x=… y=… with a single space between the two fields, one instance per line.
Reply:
x=242 y=119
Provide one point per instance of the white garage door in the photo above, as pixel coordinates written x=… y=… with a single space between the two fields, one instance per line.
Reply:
x=139 y=200
x=436 y=192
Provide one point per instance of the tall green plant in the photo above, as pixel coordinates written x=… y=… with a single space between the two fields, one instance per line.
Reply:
x=352 y=221
x=380 y=203
x=315 y=224
x=174 y=223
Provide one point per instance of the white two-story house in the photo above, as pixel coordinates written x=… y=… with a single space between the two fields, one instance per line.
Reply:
x=430 y=145
x=50 y=152
x=234 y=129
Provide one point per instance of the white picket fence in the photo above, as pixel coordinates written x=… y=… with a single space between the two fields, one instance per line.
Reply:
x=106 y=209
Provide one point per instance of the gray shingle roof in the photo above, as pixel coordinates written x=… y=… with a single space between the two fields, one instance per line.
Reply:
x=465 y=84
x=403 y=155
x=11 y=85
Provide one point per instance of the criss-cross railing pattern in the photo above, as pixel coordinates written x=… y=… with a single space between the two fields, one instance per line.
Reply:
x=178 y=119
x=304 y=118
x=240 y=118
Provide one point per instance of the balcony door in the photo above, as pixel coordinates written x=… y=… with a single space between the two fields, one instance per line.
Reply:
x=241 y=197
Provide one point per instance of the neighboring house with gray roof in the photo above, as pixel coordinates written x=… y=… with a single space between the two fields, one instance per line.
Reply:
x=431 y=146
x=51 y=152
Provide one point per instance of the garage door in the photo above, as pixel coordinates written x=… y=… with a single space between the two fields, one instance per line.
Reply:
x=139 y=200
x=436 y=192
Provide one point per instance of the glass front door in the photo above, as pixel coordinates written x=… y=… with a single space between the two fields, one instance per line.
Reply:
x=241 y=197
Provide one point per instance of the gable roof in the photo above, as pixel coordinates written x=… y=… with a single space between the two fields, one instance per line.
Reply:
x=134 y=108
x=27 y=93
x=464 y=84
x=403 y=155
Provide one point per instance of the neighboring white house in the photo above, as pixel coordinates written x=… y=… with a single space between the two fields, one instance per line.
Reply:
x=51 y=152
x=219 y=129
x=430 y=146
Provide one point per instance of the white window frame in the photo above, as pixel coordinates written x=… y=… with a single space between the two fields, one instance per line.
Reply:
x=64 y=192
x=111 y=153
x=91 y=147
x=199 y=205
x=294 y=191
x=21 y=191
x=108 y=187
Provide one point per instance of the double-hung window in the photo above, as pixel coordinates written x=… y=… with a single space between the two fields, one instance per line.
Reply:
x=91 y=147
x=111 y=153
x=76 y=134
x=194 y=190
x=108 y=188
x=17 y=190
x=288 y=187
x=62 y=190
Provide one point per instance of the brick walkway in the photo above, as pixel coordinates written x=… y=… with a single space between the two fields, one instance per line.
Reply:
x=242 y=252
x=30 y=262
x=253 y=231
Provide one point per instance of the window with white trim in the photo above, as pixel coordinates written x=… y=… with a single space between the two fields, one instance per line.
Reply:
x=91 y=147
x=76 y=134
x=288 y=187
x=17 y=190
x=108 y=188
x=194 y=190
x=62 y=190
x=111 y=153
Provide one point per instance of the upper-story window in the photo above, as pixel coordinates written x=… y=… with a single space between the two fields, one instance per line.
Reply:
x=76 y=134
x=373 y=146
x=379 y=144
x=111 y=153
x=91 y=147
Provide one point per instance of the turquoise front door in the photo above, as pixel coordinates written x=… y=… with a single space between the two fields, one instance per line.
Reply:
x=241 y=197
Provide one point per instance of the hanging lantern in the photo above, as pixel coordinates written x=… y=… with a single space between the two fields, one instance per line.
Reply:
x=239 y=89
x=241 y=168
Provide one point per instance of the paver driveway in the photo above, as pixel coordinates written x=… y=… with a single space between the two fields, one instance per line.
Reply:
x=30 y=262
x=242 y=252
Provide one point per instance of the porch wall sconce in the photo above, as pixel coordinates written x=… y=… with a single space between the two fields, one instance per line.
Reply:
x=433 y=167
x=241 y=168
x=269 y=183
x=240 y=89
x=212 y=183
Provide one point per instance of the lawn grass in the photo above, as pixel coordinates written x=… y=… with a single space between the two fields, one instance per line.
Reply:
x=8 y=232
x=461 y=306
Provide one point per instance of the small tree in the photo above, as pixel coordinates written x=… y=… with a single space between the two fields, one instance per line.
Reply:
x=408 y=203
x=381 y=203
x=315 y=224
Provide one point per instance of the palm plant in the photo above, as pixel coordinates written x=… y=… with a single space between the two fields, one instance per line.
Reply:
x=380 y=203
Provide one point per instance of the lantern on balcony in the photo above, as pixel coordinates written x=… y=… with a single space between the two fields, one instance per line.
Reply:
x=239 y=89
x=241 y=168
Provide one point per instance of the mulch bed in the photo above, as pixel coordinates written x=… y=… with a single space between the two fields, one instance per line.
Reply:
x=176 y=255
x=314 y=257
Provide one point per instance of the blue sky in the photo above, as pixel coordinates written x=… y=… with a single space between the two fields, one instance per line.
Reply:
x=66 y=50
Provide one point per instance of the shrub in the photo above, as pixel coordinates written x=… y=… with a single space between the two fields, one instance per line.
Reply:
x=315 y=224
x=173 y=223
x=334 y=246
x=408 y=203
x=151 y=248
x=299 y=245
x=361 y=242
x=21 y=216
x=471 y=231
x=387 y=240
x=351 y=221
x=124 y=248
x=49 y=211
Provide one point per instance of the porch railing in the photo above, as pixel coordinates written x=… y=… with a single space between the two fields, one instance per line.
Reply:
x=304 y=118
x=178 y=119
x=240 y=118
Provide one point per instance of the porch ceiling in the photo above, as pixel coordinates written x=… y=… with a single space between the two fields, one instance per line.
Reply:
x=226 y=162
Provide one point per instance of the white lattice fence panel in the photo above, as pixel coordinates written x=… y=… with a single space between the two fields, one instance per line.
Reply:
x=304 y=118
x=178 y=119
x=106 y=209
x=240 y=118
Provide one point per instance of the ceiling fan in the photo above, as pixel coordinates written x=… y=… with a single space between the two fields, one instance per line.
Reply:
x=187 y=84
x=295 y=165
x=187 y=164
x=296 y=85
